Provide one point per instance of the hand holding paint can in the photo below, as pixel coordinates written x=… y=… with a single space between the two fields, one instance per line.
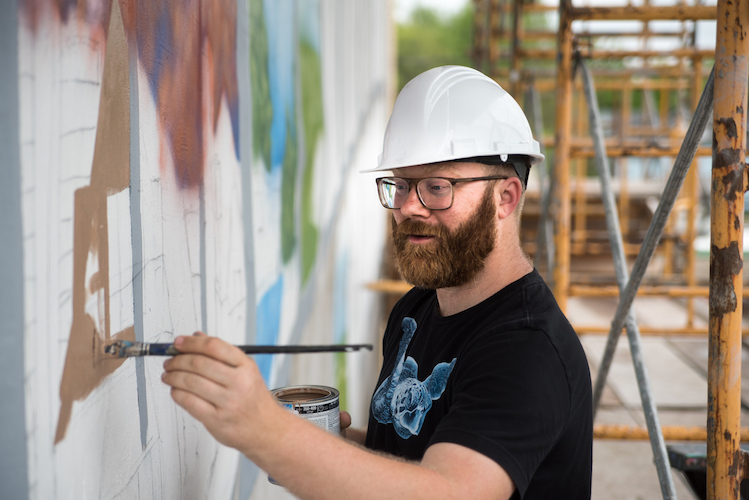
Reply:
x=317 y=404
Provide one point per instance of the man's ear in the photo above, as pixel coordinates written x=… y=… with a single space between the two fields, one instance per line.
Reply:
x=508 y=196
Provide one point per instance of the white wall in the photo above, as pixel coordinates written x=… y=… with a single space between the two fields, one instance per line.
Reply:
x=145 y=209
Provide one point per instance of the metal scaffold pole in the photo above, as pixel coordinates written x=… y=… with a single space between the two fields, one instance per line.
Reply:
x=561 y=203
x=725 y=461
x=655 y=230
x=544 y=231
x=657 y=443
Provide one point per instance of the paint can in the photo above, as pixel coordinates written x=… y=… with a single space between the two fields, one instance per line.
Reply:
x=317 y=404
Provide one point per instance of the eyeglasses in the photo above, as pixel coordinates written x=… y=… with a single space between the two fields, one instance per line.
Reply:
x=435 y=193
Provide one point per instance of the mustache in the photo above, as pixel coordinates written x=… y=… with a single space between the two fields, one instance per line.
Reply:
x=417 y=228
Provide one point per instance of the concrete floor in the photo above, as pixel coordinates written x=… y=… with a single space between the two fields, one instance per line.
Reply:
x=677 y=367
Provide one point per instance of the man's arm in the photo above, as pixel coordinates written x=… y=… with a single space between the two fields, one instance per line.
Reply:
x=220 y=386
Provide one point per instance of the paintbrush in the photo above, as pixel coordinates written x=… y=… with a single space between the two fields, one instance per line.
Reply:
x=127 y=349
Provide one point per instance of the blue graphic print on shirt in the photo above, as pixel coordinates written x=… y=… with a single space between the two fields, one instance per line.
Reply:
x=401 y=398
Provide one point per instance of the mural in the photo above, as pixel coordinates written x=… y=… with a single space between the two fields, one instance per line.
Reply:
x=93 y=295
x=288 y=124
x=187 y=165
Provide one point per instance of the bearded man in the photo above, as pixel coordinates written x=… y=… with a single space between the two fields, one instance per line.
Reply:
x=485 y=390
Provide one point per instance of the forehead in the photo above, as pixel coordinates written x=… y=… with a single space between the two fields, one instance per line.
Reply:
x=443 y=169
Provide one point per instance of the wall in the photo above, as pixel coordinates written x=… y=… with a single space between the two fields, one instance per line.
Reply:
x=176 y=166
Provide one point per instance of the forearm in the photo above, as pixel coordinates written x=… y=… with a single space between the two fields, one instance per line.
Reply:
x=313 y=464
x=355 y=435
x=217 y=384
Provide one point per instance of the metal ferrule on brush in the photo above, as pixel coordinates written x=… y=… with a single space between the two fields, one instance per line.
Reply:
x=128 y=349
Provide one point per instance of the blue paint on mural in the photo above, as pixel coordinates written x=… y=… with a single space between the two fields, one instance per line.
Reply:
x=279 y=22
x=268 y=324
x=339 y=299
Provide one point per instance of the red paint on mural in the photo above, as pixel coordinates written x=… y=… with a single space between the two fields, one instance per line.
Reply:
x=187 y=49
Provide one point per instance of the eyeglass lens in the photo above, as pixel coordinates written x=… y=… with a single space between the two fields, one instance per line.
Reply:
x=435 y=193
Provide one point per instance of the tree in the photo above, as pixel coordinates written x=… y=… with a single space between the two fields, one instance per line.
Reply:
x=429 y=39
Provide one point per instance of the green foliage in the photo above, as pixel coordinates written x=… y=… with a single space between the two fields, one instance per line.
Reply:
x=312 y=118
x=288 y=190
x=262 y=110
x=428 y=39
x=341 y=378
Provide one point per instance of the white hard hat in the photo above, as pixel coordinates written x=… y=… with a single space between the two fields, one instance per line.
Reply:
x=451 y=113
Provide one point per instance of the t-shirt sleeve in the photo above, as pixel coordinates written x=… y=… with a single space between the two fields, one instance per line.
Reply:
x=510 y=401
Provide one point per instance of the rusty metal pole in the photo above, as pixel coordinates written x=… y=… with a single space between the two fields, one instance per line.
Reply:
x=725 y=465
x=563 y=127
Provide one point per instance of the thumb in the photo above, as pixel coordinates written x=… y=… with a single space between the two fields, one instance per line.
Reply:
x=345 y=420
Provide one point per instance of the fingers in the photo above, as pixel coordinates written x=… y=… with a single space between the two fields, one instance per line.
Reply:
x=213 y=347
x=211 y=369
x=345 y=420
x=205 y=366
x=195 y=405
x=223 y=388
x=207 y=369
x=187 y=383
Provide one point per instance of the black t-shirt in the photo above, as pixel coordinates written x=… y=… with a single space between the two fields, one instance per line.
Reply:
x=507 y=378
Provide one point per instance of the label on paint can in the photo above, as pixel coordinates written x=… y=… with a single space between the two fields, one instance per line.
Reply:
x=317 y=404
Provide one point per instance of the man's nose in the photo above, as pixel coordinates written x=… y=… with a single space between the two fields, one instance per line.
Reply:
x=413 y=206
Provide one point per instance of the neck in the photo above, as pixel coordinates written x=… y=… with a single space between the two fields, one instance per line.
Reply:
x=503 y=266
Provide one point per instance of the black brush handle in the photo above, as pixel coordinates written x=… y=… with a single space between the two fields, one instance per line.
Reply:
x=170 y=350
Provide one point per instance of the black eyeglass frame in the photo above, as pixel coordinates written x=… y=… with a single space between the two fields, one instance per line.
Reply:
x=414 y=181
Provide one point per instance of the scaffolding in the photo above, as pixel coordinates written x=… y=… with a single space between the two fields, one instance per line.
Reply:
x=513 y=53
x=661 y=101
x=653 y=95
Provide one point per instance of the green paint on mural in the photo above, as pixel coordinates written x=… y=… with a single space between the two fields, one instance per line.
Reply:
x=340 y=378
x=312 y=118
x=262 y=109
x=288 y=191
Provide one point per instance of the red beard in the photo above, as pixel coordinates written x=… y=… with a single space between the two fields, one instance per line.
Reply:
x=453 y=258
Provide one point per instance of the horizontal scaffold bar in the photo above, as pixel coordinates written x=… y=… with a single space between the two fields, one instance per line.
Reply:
x=670 y=432
x=650 y=331
x=646 y=152
x=644 y=13
x=389 y=286
x=551 y=54
x=553 y=35
x=669 y=291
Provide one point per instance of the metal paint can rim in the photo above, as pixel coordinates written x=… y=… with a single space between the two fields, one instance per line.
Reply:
x=318 y=394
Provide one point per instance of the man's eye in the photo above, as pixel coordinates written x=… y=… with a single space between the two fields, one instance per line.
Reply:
x=439 y=189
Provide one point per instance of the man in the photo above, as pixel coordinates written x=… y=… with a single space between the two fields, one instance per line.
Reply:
x=485 y=389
